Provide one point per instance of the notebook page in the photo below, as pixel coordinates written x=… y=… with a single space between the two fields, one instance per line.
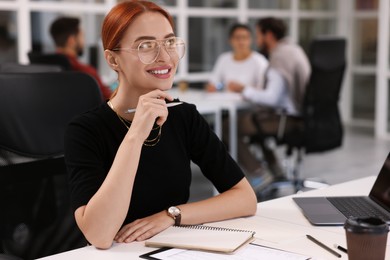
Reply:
x=196 y=237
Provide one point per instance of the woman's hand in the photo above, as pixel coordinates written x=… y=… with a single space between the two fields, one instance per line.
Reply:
x=144 y=228
x=151 y=108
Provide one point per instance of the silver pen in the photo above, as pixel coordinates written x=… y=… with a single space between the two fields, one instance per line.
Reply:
x=171 y=104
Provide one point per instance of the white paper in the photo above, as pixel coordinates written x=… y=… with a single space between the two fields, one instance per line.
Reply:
x=249 y=252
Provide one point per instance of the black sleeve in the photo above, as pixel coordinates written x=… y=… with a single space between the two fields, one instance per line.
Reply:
x=210 y=154
x=83 y=161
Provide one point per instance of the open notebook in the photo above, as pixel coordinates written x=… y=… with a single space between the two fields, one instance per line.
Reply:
x=201 y=237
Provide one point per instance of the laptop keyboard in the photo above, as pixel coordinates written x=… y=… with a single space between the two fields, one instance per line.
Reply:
x=357 y=207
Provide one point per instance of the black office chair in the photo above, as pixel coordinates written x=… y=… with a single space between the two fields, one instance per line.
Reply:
x=319 y=127
x=35 y=218
x=50 y=59
x=28 y=68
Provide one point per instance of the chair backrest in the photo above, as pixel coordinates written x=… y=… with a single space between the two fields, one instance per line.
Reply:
x=323 y=123
x=327 y=59
x=30 y=68
x=37 y=107
x=50 y=59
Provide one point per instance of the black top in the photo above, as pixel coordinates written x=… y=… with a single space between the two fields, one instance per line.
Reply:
x=164 y=174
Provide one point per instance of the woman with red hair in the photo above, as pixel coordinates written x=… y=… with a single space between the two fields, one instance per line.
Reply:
x=129 y=159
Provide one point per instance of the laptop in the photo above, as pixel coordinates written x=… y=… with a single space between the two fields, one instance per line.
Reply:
x=333 y=211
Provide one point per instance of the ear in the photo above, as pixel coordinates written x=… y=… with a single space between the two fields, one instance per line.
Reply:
x=71 y=41
x=111 y=59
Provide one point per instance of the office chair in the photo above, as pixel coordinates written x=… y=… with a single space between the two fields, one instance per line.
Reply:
x=30 y=68
x=35 y=218
x=50 y=59
x=319 y=127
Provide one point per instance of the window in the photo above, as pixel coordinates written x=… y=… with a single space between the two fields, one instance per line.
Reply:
x=266 y=4
x=208 y=37
x=213 y=3
x=366 y=5
x=311 y=28
x=365 y=43
x=363 y=97
x=320 y=5
x=165 y=2
x=73 y=1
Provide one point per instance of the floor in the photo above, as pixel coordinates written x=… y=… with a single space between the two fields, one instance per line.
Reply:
x=360 y=155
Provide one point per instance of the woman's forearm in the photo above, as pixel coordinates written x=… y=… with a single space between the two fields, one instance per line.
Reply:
x=104 y=214
x=239 y=201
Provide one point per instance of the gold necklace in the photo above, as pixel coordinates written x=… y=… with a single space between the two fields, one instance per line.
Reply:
x=127 y=123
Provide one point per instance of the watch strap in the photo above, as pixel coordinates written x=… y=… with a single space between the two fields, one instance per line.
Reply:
x=177 y=220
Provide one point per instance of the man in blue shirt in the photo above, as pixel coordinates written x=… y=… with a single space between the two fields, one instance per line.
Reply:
x=286 y=79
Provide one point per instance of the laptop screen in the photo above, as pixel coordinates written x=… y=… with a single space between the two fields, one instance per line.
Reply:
x=380 y=192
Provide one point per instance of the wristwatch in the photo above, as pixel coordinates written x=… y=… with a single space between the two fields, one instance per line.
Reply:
x=175 y=213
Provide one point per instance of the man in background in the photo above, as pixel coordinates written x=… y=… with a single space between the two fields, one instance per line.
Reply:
x=286 y=79
x=241 y=66
x=69 y=40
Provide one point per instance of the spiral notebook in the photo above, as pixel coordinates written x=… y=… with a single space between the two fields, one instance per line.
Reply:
x=199 y=237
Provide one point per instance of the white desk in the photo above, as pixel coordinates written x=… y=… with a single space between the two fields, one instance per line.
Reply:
x=278 y=223
x=215 y=103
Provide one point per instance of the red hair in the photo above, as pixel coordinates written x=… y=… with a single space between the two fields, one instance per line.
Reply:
x=121 y=16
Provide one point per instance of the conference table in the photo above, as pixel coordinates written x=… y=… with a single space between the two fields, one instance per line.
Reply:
x=215 y=104
x=278 y=223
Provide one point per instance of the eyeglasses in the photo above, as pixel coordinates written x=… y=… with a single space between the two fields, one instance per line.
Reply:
x=149 y=50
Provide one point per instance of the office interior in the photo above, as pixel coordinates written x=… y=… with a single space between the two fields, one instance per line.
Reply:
x=203 y=24
x=365 y=97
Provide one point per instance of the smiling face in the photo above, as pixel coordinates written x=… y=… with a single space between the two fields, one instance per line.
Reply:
x=133 y=73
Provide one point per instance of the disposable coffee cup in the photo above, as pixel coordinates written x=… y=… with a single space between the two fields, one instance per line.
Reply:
x=366 y=238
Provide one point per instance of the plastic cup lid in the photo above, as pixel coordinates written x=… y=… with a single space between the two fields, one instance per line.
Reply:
x=368 y=225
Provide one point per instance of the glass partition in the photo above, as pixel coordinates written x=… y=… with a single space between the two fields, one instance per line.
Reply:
x=8 y=37
x=208 y=37
x=165 y=2
x=266 y=4
x=310 y=28
x=363 y=97
x=213 y=3
x=72 y=1
x=369 y=5
x=317 y=5
x=365 y=41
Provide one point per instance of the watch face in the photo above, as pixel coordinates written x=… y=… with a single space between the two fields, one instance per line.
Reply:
x=174 y=211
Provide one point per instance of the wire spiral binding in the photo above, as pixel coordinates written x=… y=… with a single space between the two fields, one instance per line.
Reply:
x=204 y=227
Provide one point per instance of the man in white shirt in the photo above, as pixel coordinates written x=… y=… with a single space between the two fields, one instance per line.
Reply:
x=286 y=80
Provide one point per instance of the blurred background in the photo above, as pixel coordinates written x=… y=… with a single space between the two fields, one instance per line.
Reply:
x=204 y=24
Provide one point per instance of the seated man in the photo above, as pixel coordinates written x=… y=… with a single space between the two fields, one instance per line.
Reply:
x=240 y=66
x=286 y=80
x=69 y=40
